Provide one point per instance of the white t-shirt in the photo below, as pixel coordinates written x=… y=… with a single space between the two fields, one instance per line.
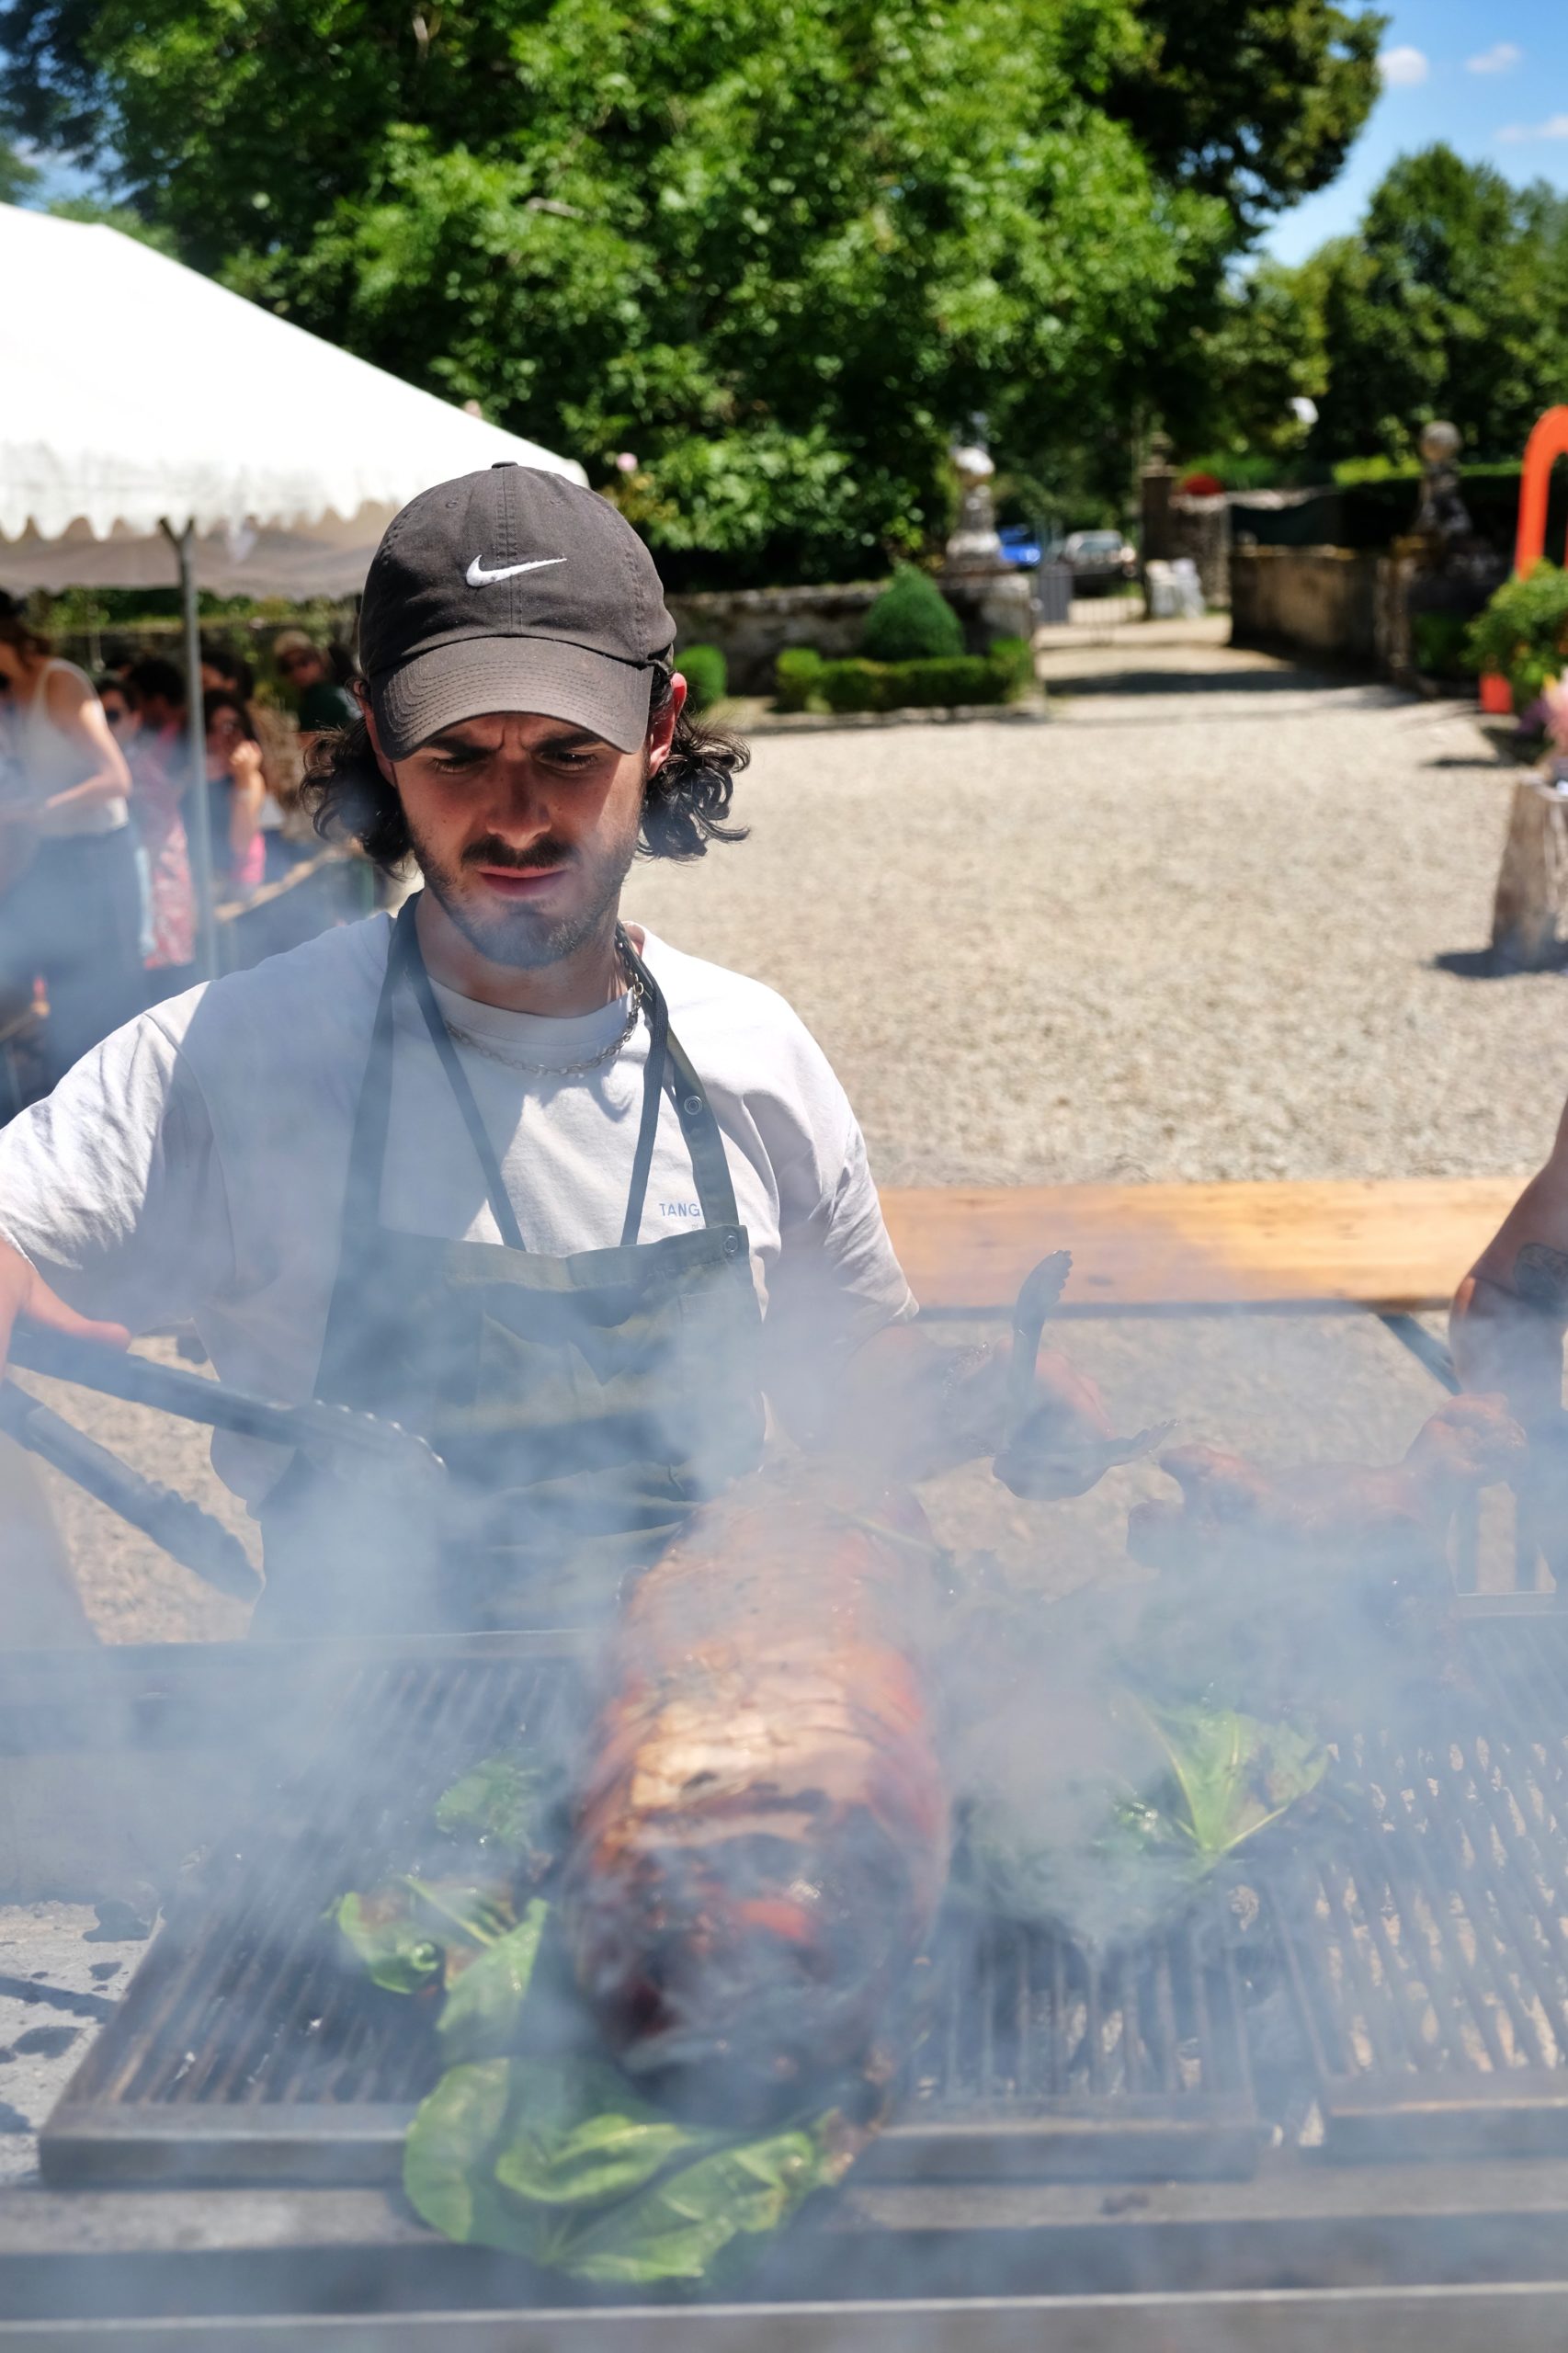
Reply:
x=192 y=1166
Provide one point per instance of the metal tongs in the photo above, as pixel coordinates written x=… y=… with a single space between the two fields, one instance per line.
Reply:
x=1030 y=1461
x=191 y=1535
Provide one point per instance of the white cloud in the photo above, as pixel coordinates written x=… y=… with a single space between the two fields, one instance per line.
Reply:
x=1403 y=68
x=1515 y=134
x=1501 y=58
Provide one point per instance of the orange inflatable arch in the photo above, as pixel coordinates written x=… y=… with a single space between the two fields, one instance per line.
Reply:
x=1546 y=444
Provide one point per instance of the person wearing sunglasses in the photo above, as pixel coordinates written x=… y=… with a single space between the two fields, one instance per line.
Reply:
x=321 y=702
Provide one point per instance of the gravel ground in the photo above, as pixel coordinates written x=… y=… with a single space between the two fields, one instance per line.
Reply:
x=130 y=1589
x=60 y=1979
x=1189 y=929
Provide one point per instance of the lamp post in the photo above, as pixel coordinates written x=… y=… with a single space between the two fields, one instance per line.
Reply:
x=199 y=821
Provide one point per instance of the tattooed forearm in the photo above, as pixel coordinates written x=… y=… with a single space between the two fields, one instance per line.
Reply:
x=1541 y=1275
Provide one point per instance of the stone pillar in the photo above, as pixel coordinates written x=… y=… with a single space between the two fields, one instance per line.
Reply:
x=1157 y=534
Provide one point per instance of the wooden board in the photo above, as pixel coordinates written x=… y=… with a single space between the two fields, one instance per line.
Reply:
x=1390 y=1246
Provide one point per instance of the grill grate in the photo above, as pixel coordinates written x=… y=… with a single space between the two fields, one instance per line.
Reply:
x=245 y=2050
x=243 y=2025
x=1042 y=2058
x=1416 y=1927
x=1426 y=1926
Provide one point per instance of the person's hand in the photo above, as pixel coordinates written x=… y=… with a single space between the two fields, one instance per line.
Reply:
x=245 y=764
x=1540 y=1492
x=23 y=1291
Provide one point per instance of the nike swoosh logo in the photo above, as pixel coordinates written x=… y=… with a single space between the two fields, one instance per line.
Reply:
x=478 y=577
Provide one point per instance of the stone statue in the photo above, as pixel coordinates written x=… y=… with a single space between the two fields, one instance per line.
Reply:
x=1443 y=515
x=973 y=546
x=992 y=599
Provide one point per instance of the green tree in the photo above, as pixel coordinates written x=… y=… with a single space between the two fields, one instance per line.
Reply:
x=17 y=176
x=1450 y=300
x=1265 y=348
x=1255 y=101
x=778 y=249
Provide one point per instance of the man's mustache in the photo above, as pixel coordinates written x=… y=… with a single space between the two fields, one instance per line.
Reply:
x=491 y=850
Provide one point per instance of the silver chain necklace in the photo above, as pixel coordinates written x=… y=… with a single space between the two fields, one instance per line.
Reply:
x=609 y=1054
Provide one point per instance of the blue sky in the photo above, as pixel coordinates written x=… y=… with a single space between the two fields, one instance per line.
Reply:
x=1492 y=80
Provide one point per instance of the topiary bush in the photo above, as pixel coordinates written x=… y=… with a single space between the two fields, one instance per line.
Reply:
x=797 y=675
x=706 y=674
x=1523 y=634
x=911 y=622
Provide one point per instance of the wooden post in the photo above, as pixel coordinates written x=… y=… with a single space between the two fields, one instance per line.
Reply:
x=1524 y=914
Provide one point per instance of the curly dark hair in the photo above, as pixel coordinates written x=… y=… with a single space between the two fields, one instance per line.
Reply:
x=684 y=808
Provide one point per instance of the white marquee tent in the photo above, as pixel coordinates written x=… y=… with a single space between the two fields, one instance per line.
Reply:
x=154 y=426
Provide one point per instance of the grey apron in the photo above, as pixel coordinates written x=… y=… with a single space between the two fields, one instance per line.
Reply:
x=582 y=1406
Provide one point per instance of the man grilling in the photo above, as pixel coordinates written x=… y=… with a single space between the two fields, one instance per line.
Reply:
x=507 y=1170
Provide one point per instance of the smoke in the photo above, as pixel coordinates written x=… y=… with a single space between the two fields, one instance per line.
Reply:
x=1028 y=1638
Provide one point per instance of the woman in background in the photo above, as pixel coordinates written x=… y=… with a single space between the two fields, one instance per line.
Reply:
x=74 y=912
x=289 y=835
x=236 y=789
x=170 y=953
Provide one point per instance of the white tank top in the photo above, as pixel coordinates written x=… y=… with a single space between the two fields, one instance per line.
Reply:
x=52 y=762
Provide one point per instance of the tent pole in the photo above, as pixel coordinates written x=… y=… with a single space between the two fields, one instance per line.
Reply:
x=198 y=820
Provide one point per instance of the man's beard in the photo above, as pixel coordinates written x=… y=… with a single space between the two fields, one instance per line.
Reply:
x=519 y=937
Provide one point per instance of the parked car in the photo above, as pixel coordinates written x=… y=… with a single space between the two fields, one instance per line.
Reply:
x=1020 y=545
x=1099 y=559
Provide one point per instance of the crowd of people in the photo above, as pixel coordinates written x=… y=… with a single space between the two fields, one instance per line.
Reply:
x=98 y=883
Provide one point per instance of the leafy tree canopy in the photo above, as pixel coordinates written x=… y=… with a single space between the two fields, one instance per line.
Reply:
x=1257 y=104
x=1450 y=300
x=776 y=249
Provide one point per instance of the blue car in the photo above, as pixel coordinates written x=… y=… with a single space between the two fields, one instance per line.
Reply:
x=1020 y=546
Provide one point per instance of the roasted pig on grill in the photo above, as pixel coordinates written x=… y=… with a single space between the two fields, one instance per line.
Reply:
x=761 y=1843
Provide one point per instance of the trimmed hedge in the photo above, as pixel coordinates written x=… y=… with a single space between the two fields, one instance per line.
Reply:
x=808 y=683
x=706 y=674
x=1015 y=656
x=1372 y=514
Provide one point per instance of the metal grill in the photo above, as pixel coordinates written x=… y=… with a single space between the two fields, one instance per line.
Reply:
x=1426 y=1925
x=1044 y=2059
x=245 y=2050
x=1416 y=1924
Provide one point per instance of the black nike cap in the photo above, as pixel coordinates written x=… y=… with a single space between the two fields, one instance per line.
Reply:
x=511 y=590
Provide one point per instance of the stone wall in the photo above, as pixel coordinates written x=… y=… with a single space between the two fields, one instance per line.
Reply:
x=1307 y=600
x=751 y=627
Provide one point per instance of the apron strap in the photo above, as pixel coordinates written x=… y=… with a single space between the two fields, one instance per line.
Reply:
x=667 y=1064
x=501 y=1208
x=653 y=1077
x=715 y=1187
x=367 y=1143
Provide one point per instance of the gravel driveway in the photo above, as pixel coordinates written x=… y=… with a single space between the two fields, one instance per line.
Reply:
x=1191 y=928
